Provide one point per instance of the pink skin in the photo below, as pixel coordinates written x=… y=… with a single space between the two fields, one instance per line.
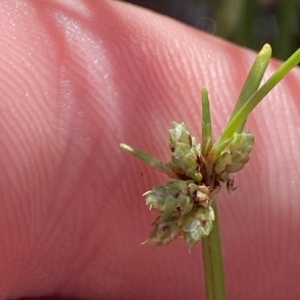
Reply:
x=78 y=78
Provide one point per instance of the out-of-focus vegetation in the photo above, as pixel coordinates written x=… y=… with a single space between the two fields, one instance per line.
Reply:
x=250 y=23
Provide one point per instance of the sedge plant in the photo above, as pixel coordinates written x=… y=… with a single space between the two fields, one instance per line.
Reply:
x=186 y=204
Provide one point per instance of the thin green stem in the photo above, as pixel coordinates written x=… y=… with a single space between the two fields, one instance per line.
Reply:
x=213 y=264
x=246 y=109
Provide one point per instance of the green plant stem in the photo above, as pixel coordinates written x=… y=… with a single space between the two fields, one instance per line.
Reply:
x=246 y=109
x=213 y=264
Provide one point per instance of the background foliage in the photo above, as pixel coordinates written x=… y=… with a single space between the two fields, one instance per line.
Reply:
x=250 y=23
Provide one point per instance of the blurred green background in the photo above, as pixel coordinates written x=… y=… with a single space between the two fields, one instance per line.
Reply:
x=250 y=23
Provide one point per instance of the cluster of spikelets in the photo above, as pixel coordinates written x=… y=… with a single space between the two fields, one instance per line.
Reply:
x=184 y=203
x=199 y=171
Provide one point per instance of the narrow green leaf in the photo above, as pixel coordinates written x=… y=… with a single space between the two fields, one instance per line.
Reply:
x=149 y=160
x=243 y=113
x=253 y=80
x=206 y=124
